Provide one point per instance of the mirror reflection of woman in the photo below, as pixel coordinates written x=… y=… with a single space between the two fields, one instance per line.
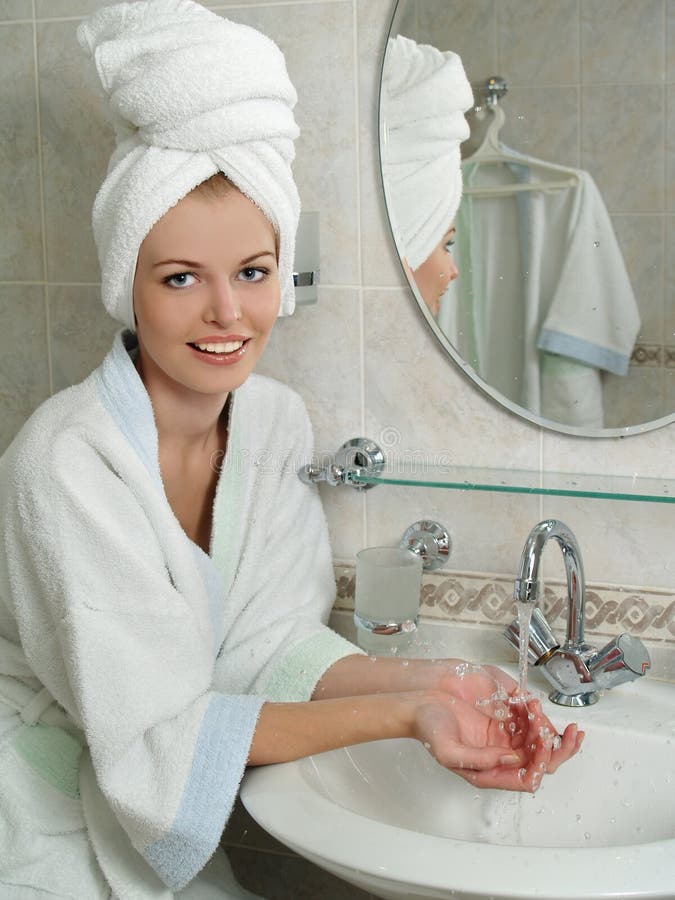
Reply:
x=425 y=93
x=436 y=273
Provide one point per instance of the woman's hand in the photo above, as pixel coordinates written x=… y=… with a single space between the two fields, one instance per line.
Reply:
x=510 y=753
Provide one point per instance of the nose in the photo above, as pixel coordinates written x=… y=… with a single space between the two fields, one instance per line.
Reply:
x=224 y=305
x=453 y=271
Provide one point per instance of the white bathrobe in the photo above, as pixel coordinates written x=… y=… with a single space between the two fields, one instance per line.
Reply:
x=154 y=656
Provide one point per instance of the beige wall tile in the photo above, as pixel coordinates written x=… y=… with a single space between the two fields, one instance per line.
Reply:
x=379 y=262
x=670 y=41
x=55 y=9
x=24 y=373
x=635 y=398
x=81 y=332
x=405 y=22
x=487 y=529
x=641 y=239
x=621 y=543
x=669 y=284
x=622 y=132
x=318 y=42
x=466 y=28
x=15 y=9
x=543 y=122
x=317 y=352
x=538 y=41
x=669 y=389
x=20 y=222
x=622 y=41
x=670 y=148
x=648 y=454
x=76 y=145
x=418 y=400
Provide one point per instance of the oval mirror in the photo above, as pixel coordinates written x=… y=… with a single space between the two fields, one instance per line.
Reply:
x=562 y=306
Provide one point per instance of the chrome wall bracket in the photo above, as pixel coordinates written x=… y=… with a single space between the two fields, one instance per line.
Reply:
x=429 y=540
x=359 y=456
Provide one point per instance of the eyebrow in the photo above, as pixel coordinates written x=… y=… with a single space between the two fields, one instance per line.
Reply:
x=190 y=264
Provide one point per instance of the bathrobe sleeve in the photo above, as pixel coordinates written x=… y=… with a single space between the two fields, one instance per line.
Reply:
x=276 y=537
x=112 y=630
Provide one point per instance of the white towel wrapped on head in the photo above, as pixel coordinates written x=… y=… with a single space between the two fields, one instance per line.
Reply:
x=425 y=94
x=191 y=94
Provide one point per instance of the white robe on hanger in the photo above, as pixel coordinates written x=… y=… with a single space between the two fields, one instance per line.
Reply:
x=543 y=304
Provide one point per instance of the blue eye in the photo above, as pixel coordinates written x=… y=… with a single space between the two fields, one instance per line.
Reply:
x=180 y=280
x=253 y=275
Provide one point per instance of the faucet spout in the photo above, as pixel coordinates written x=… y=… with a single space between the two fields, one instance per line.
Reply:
x=577 y=671
x=526 y=588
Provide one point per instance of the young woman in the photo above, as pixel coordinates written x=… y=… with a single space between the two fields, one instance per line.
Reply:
x=165 y=576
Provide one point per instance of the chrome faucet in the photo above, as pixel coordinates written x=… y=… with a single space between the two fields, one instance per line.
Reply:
x=576 y=670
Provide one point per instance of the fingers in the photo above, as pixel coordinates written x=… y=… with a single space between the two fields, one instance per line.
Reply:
x=540 y=749
x=570 y=744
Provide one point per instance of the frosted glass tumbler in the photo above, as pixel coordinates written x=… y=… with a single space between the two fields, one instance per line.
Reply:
x=387 y=598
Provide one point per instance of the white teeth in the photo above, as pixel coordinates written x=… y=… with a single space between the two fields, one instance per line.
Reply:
x=228 y=347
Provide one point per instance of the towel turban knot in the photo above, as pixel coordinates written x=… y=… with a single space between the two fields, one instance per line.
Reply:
x=191 y=94
x=425 y=94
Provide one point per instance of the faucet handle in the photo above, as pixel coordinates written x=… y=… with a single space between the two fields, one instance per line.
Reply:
x=541 y=643
x=623 y=659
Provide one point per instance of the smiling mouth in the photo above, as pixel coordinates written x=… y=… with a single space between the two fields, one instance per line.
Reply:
x=219 y=349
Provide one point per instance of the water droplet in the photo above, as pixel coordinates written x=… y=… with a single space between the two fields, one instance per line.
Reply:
x=578 y=817
x=618 y=766
x=587 y=835
x=596 y=243
x=404 y=662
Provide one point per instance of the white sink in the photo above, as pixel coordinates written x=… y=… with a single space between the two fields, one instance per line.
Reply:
x=386 y=817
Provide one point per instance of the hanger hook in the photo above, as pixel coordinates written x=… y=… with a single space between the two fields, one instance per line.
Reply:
x=495 y=88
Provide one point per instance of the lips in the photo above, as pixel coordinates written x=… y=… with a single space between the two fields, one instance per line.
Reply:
x=219 y=345
x=219 y=350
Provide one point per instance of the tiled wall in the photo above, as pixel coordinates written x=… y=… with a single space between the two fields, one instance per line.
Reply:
x=362 y=357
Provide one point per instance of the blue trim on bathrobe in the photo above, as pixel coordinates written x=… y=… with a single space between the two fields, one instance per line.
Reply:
x=124 y=396
x=217 y=767
x=584 y=351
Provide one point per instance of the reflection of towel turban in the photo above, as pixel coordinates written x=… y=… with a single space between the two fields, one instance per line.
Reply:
x=424 y=96
x=192 y=94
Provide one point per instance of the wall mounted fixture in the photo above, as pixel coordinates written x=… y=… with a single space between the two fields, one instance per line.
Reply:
x=307 y=256
x=356 y=456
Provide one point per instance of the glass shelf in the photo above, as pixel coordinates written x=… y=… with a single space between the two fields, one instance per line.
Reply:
x=514 y=481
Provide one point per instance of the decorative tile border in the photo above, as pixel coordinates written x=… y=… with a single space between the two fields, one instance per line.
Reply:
x=478 y=599
x=648 y=355
x=653 y=356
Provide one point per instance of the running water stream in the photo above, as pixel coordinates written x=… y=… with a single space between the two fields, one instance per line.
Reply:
x=524 y=619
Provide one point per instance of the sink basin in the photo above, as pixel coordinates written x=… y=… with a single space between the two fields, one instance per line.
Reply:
x=386 y=817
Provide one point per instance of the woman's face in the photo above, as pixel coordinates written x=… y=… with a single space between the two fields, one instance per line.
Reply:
x=206 y=293
x=436 y=272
